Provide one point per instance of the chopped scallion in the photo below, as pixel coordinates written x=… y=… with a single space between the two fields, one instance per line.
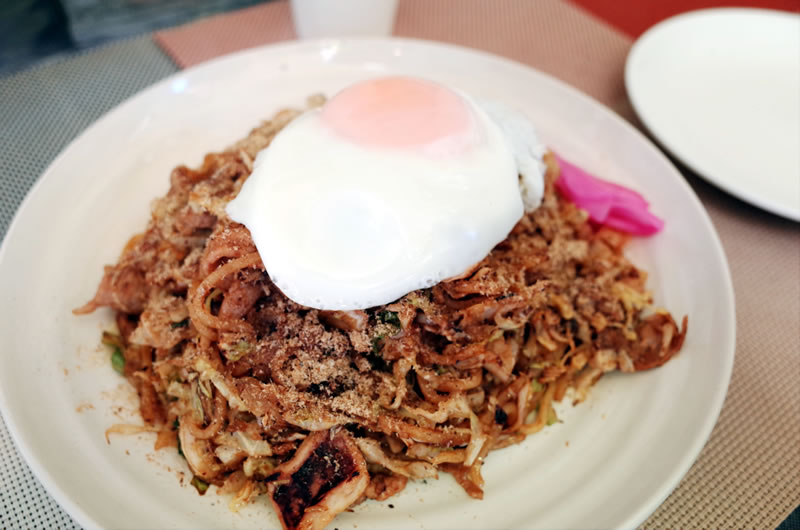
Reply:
x=377 y=344
x=389 y=317
x=118 y=361
x=200 y=485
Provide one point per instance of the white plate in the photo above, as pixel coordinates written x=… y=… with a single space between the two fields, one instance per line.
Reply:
x=720 y=89
x=611 y=462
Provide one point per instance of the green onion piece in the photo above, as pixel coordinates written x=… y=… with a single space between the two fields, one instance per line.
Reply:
x=118 y=361
x=175 y=424
x=390 y=317
x=536 y=386
x=377 y=345
x=182 y=324
x=441 y=370
x=200 y=485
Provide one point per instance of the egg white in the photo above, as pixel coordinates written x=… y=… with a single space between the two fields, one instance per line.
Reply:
x=340 y=226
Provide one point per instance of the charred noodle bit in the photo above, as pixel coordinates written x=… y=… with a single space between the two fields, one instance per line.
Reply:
x=320 y=409
x=326 y=475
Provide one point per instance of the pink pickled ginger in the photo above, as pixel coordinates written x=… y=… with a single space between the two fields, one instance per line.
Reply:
x=608 y=204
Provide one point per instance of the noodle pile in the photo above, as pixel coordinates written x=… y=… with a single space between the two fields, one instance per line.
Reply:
x=320 y=410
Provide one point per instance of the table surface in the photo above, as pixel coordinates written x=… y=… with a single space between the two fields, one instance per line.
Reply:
x=747 y=475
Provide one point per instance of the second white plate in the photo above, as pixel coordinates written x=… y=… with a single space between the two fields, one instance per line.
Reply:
x=720 y=89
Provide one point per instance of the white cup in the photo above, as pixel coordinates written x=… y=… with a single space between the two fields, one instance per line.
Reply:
x=315 y=19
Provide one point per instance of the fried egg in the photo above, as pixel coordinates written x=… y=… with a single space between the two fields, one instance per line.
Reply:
x=395 y=184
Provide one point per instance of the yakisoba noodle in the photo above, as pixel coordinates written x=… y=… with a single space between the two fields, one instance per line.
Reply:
x=320 y=410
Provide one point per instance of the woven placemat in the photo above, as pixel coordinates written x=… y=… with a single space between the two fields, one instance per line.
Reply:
x=41 y=111
x=748 y=474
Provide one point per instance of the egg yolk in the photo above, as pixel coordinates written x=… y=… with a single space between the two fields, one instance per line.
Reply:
x=400 y=113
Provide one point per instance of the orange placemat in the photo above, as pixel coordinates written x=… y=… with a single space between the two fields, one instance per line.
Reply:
x=526 y=35
x=748 y=475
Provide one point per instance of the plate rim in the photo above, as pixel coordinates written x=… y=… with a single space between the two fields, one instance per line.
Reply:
x=700 y=436
x=739 y=192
